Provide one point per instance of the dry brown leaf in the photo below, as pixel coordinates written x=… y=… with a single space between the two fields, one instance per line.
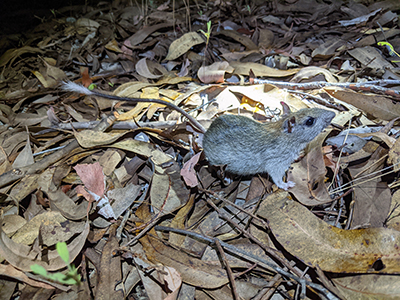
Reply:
x=123 y=199
x=49 y=225
x=259 y=70
x=370 y=57
x=26 y=119
x=394 y=156
x=372 y=197
x=266 y=38
x=244 y=40
x=25 y=157
x=92 y=138
x=179 y=222
x=192 y=270
x=327 y=49
x=188 y=172
x=309 y=175
x=379 y=107
x=10 y=271
x=59 y=201
x=315 y=242
x=372 y=203
x=18 y=254
x=110 y=270
x=12 y=223
x=113 y=46
x=168 y=191
x=24 y=188
x=143 y=33
x=5 y=164
x=393 y=220
x=167 y=194
x=12 y=54
x=183 y=44
x=310 y=72
x=369 y=286
x=150 y=69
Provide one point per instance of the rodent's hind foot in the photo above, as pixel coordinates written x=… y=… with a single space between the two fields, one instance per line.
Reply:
x=286 y=185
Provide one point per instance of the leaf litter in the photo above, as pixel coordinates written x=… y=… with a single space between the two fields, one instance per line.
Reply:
x=127 y=187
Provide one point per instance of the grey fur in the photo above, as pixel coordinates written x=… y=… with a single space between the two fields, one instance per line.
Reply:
x=249 y=147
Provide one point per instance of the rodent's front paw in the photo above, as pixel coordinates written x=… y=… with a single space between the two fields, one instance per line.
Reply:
x=286 y=185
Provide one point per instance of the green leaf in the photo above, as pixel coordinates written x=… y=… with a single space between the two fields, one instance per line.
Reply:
x=39 y=270
x=63 y=251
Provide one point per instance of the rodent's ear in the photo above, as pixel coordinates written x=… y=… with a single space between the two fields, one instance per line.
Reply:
x=285 y=109
x=289 y=124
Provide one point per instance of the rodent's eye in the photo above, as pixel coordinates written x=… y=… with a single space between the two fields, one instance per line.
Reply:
x=310 y=121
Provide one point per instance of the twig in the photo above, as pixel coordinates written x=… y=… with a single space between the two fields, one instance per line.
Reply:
x=228 y=269
x=369 y=86
x=252 y=258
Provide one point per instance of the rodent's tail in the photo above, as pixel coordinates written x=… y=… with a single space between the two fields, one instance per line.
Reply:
x=70 y=86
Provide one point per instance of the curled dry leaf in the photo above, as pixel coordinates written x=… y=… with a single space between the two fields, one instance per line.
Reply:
x=309 y=175
x=149 y=69
x=214 y=73
x=315 y=242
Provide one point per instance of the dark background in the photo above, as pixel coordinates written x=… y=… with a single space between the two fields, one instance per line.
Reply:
x=19 y=15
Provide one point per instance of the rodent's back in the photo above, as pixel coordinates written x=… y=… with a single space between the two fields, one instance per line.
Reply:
x=244 y=145
x=248 y=147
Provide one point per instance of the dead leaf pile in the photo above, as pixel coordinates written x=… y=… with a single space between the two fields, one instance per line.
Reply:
x=127 y=187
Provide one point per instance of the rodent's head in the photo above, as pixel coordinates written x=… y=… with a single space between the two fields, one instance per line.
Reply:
x=305 y=124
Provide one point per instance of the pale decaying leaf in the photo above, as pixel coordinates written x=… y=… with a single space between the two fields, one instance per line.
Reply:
x=51 y=226
x=20 y=255
x=91 y=138
x=214 y=73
